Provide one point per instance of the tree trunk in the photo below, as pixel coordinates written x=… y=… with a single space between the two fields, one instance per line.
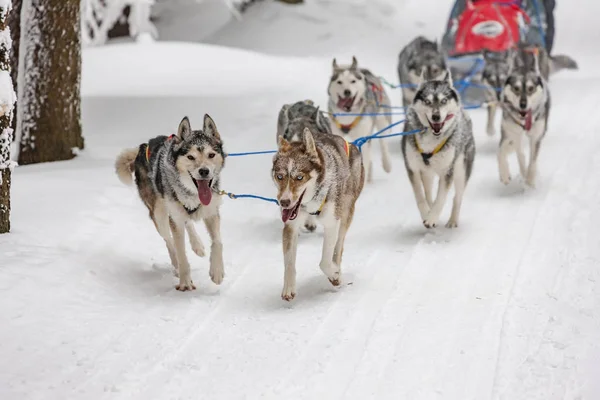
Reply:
x=49 y=117
x=14 y=23
x=7 y=100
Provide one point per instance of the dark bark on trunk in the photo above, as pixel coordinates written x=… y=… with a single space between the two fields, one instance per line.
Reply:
x=14 y=23
x=5 y=201
x=5 y=142
x=51 y=104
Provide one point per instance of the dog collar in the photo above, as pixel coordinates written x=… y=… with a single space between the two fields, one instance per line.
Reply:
x=347 y=128
x=427 y=156
x=148 y=151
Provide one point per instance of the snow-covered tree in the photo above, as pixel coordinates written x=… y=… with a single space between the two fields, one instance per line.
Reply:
x=49 y=112
x=7 y=100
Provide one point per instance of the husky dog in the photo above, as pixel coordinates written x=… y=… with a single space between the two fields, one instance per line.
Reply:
x=444 y=147
x=496 y=69
x=176 y=177
x=420 y=56
x=525 y=110
x=293 y=118
x=353 y=90
x=319 y=175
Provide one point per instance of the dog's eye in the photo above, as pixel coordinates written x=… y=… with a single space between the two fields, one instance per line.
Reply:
x=353 y=81
x=427 y=102
x=444 y=101
x=530 y=89
x=279 y=177
x=516 y=89
x=359 y=78
x=339 y=82
x=191 y=158
x=300 y=177
x=211 y=155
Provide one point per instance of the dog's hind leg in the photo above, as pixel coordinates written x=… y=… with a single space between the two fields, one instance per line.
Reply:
x=332 y=229
x=160 y=217
x=339 y=246
x=459 y=189
x=194 y=238
x=290 y=247
x=427 y=179
x=185 y=279
x=521 y=157
x=217 y=269
x=534 y=151
x=417 y=186
x=438 y=205
x=382 y=123
x=491 y=109
x=503 y=151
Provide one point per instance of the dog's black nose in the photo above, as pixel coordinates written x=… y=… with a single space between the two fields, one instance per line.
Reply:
x=523 y=104
x=435 y=117
x=203 y=172
x=284 y=203
x=347 y=93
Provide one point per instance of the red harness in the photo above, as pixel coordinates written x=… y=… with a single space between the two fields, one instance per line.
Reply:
x=148 y=148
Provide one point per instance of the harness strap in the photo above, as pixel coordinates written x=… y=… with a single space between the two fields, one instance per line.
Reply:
x=427 y=156
x=347 y=128
x=148 y=150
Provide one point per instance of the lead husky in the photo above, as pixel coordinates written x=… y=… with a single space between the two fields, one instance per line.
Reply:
x=353 y=90
x=444 y=147
x=525 y=110
x=421 y=56
x=320 y=175
x=175 y=177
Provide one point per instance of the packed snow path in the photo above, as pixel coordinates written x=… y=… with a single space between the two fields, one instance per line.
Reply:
x=507 y=306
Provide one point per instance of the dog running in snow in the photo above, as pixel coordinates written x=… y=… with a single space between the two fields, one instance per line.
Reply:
x=525 y=109
x=176 y=177
x=292 y=120
x=444 y=147
x=353 y=90
x=317 y=175
x=419 y=57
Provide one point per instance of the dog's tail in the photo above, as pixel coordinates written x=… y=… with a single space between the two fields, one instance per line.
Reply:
x=124 y=165
x=561 y=61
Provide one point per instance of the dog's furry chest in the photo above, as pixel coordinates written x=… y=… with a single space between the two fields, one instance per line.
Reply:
x=364 y=127
x=439 y=162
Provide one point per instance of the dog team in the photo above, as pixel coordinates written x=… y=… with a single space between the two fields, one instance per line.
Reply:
x=319 y=173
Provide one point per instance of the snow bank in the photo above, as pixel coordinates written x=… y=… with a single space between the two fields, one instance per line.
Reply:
x=184 y=69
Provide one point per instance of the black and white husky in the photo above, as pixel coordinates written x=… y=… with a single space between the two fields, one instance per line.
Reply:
x=444 y=147
x=354 y=93
x=525 y=109
x=176 y=177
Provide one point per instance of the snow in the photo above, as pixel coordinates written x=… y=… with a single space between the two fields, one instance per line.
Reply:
x=505 y=307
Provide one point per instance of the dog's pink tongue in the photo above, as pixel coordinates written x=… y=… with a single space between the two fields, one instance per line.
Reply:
x=204 y=192
x=528 y=120
x=285 y=214
x=345 y=102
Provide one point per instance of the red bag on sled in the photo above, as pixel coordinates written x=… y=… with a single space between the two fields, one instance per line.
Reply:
x=489 y=24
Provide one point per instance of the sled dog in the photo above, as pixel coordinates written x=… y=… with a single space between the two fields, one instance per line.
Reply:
x=354 y=91
x=495 y=71
x=525 y=109
x=176 y=177
x=318 y=175
x=444 y=147
x=293 y=118
x=420 y=56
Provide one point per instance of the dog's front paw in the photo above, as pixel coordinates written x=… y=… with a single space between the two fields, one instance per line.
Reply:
x=530 y=182
x=505 y=178
x=310 y=227
x=217 y=273
x=491 y=131
x=198 y=247
x=333 y=273
x=289 y=292
x=185 y=284
x=429 y=223
x=452 y=223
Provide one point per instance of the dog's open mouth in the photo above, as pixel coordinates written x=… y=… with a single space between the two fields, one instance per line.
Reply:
x=438 y=126
x=290 y=214
x=346 y=103
x=204 y=190
x=526 y=115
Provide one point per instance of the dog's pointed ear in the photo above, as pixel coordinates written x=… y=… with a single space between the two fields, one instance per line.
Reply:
x=309 y=142
x=448 y=78
x=185 y=129
x=283 y=119
x=282 y=144
x=422 y=79
x=210 y=128
x=354 y=63
x=309 y=102
x=436 y=44
x=334 y=65
x=536 y=60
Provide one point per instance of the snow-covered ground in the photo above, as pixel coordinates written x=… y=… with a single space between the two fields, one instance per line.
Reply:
x=505 y=307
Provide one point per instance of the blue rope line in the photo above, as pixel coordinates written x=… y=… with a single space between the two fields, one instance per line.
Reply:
x=251 y=153
x=360 y=142
x=467 y=80
x=365 y=114
x=248 y=196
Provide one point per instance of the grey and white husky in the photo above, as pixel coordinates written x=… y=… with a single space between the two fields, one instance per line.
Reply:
x=495 y=71
x=317 y=175
x=419 y=57
x=444 y=147
x=176 y=177
x=525 y=109
x=353 y=90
